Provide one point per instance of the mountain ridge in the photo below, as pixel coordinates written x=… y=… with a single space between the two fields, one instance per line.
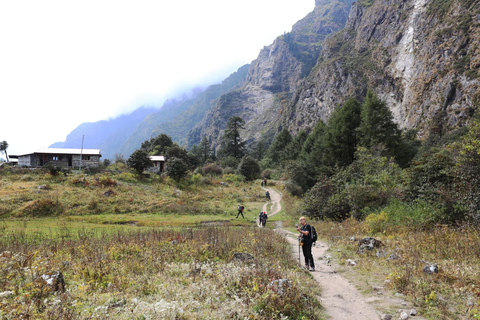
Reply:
x=420 y=56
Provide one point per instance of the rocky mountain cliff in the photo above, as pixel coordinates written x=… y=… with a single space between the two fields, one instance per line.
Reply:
x=421 y=56
x=274 y=76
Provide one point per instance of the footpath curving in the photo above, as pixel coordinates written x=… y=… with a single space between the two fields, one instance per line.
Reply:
x=340 y=298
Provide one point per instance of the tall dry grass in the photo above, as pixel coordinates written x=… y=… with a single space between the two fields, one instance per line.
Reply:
x=452 y=293
x=154 y=274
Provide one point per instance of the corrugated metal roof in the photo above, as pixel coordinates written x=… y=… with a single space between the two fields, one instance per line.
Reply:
x=67 y=151
x=157 y=158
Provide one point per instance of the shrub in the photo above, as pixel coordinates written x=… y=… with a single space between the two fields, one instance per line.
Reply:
x=293 y=188
x=249 y=168
x=212 y=169
x=267 y=173
x=41 y=207
x=377 y=222
x=419 y=214
x=233 y=177
x=104 y=181
x=176 y=169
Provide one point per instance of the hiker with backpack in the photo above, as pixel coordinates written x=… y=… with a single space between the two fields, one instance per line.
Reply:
x=262 y=218
x=306 y=238
x=267 y=195
x=240 y=209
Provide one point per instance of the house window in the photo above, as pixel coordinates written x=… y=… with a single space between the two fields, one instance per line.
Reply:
x=55 y=158
x=86 y=157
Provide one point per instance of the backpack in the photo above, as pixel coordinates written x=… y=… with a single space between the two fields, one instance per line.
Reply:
x=314 y=234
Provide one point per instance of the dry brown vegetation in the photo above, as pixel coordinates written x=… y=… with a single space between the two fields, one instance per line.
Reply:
x=452 y=293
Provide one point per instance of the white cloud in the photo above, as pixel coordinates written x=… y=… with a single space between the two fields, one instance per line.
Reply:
x=64 y=62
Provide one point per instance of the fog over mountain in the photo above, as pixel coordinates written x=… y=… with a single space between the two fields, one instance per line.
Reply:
x=418 y=56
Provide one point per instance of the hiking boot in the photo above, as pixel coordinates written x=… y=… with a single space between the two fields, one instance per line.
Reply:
x=305 y=267
x=312 y=269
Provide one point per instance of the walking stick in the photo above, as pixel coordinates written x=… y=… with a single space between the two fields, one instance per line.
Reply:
x=299 y=252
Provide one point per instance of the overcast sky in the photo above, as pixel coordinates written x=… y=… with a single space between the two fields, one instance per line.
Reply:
x=65 y=62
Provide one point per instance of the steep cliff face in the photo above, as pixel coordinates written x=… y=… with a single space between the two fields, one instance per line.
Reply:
x=421 y=56
x=274 y=75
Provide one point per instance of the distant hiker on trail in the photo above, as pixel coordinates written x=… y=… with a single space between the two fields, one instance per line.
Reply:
x=265 y=182
x=267 y=195
x=262 y=218
x=306 y=243
x=261 y=183
x=240 y=209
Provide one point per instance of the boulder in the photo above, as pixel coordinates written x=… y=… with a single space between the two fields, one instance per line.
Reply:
x=279 y=285
x=243 y=257
x=368 y=243
x=430 y=269
x=53 y=280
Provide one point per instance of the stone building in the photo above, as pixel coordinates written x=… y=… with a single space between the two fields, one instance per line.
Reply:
x=62 y=157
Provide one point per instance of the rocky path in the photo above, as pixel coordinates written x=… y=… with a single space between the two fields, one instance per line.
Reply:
x=340 y=298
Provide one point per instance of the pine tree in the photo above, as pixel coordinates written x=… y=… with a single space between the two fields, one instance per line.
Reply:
x=377 y=125
x=282 y=139
x=232 y=144
x=341 y=137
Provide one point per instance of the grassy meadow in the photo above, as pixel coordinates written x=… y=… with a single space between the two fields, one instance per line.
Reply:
x=132 y=247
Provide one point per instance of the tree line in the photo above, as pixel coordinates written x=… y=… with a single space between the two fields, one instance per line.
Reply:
x=357 y=164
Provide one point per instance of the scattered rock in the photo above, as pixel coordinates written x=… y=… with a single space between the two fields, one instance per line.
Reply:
x=242 y=257
x=174 y=242
x=393 y=256
x=117 y=304
x=351 y=262
x=54 y=280
x=387 y=317
x=377 y=288
x=368 y=243
x=353 y=239
x=108 y=193
x=403 y=316
x=43 y=187
x=279 y=285
x=339 y=296
x=430 y=269
x=413 y=312
x=381 y=253
x=6 y=294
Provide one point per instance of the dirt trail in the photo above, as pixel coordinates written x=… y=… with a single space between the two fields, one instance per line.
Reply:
x=340 y=298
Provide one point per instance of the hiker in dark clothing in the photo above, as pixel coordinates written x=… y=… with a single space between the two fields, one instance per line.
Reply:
x=306 y=243
x=262 y=218
x=240 y=210
x=267 y=195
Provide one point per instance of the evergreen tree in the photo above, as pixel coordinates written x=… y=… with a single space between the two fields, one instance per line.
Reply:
x=258 y=149
x=157 y=145
x=139 y=161
x=313 y=141
x=249 y=168
x=232 y=144
x=282 y=139
x=294 y=148
x=341 y=136
x=205 y=151
x=377 y=125
x=176 y=169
